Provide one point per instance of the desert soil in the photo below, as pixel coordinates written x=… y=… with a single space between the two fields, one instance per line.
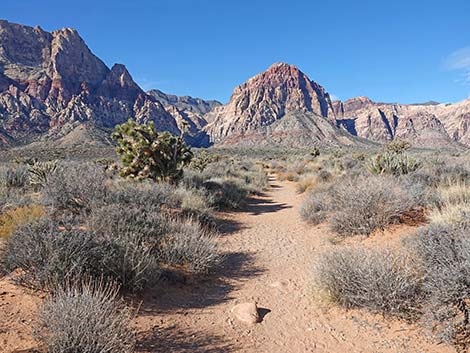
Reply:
x=269 y=256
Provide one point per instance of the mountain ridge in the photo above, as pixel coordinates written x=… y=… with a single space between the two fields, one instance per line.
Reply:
x=51 y=83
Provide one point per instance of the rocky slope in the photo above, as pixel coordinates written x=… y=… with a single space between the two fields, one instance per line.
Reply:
x=279 y=106
x=50 y=83
x=429 y=124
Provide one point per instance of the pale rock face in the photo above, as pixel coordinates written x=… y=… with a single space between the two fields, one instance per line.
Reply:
x=421 y=124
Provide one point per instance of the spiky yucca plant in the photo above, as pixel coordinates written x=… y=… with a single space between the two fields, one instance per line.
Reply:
x=148 y=154
x=40 y=172
x=202 y=160
x=393 y=163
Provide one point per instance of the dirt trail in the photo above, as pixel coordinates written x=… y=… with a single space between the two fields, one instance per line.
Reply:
x=271 y=251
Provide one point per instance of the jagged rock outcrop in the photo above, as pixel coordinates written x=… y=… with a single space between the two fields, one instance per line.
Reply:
x=279 y=106
x=428 y=125
x=185 y=103
x=52 y=82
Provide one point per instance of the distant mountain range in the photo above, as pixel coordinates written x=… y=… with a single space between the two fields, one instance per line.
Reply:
x=53 y=88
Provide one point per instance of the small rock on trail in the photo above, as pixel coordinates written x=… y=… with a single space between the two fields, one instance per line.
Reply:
x=247 y=312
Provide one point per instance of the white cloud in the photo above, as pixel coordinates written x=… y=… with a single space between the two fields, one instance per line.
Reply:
x=459 y=61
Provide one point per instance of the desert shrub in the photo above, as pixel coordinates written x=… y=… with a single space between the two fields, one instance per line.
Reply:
x=306 y=183
x=393 y=163
x=376 y=279
x=187 y=244
x=443 y=252
x=196 y=202
x=202 y=159
x=317 y=204
x=14 y=176
x=127 y=235
x=90 y=318
x=227 y=193
x=437 y=173
x=14 y=218
x=14 y=198
x=75 y=188
x=151 y=194
x=256 y=181
x=194 y=179
x=47 y=254
x=146 y=153
x=362 y=205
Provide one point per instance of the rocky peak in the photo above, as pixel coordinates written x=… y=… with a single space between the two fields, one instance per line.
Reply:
x=186 y=103
x=280 y=89
x=357 y=103
x=119 y=84
x=73 y=62
x=282 y=92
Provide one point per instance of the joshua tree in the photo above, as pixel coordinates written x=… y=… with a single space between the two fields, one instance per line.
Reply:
x=146 y=153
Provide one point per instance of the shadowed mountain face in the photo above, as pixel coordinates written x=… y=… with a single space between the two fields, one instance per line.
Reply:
x=53 y=87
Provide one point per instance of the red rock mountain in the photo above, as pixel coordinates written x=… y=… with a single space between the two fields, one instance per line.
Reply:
x=50 y=83
x=279 y=106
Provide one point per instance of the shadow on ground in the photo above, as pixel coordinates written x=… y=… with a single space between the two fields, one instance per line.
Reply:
x=257 y=206
x=178 y=340
x=201 y=293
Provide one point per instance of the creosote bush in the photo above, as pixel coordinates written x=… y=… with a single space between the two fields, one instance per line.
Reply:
x=376 y=279
x=86 y=318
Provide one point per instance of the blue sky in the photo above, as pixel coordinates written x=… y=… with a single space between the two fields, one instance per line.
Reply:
x=392 y=51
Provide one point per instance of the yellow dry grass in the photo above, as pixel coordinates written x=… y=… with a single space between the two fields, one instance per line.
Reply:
x=12 y=219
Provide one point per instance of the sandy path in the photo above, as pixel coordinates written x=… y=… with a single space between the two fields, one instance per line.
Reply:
x=270 y=254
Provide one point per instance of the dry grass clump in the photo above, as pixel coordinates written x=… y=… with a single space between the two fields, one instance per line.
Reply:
x=452 y=204
x=310 y=181
x=87 y=318
x=12 y=219
x=376 y=279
